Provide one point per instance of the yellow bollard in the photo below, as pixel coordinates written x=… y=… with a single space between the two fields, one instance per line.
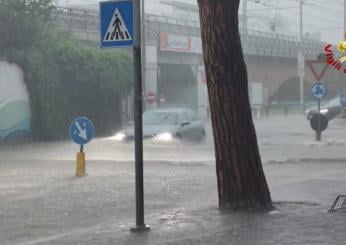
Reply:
x=80 y=166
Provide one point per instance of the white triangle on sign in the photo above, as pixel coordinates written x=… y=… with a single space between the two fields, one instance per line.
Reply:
x=117 y=29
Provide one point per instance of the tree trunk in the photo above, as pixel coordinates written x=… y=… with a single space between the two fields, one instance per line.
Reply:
x=241 y=181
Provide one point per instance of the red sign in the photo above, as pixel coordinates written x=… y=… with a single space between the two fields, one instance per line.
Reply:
x=170 y=42
x=318 y=75
x=178 y=43
x=151 y=97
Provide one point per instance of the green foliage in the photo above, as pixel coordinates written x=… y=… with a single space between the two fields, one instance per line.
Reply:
x=21 y=21
x=65 y=79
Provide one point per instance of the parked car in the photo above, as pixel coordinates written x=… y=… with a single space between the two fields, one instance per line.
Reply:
x=166 y=125
x=331 y=109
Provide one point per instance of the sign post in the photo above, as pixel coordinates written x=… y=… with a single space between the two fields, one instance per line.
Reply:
x=121 y=27
x=138 y=100
x=81 y=132
x=301 y=74
x=318 y=91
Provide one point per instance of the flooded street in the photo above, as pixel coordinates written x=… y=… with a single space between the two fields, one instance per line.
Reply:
x=43 y=203
x=83 y=83
x=281 y=139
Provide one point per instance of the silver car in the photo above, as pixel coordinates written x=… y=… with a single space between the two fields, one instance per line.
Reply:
x=166 y=125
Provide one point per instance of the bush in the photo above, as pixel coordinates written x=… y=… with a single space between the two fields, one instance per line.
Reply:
x=65 y=79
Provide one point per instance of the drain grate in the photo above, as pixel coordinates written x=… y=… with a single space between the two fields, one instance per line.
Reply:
x=339 y=204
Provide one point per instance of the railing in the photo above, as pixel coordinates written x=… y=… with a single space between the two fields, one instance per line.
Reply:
x=172 y=20
x=77 y=13
x=85 y=23
x=88 y=15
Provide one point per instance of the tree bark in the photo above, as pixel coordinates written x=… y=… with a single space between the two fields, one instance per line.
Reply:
x=241 y=181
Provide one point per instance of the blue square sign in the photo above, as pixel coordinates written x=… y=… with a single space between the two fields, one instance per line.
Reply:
x=117 y=24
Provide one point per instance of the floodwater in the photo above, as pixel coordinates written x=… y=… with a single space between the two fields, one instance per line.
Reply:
x=42 y=203
x=281 y=139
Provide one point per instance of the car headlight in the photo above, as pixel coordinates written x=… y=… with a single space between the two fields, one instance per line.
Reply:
x=164 y=137
x=324 y=111
x=119 y=136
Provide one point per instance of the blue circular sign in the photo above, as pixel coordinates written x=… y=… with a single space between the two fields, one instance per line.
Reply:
x=81 y=130
x=319 y=90
x=343 y=99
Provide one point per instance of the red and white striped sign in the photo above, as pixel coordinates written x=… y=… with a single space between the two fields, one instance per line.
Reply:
x=151 y=97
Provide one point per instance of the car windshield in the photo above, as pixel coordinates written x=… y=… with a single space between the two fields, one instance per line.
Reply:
x=333 y=102
x=160 y=118
x=329 y=103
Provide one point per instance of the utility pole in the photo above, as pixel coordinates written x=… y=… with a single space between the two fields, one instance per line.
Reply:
x=301 y=20
x=345 y=19
x=245 y=16
x=300 y=58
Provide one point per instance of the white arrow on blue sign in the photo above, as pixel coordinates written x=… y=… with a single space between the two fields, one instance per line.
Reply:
x=319 y=90
x=117 y=24
x=81 y=130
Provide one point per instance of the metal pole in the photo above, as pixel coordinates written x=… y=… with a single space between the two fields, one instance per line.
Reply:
x=301 y=88
x=301 y=20
x=345 y=19
x=301 y=75
x=143 y=37
x=318 y=132
x=245 y=16
x=140 y=226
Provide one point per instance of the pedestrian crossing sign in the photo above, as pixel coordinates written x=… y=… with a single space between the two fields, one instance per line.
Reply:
x=116 y=24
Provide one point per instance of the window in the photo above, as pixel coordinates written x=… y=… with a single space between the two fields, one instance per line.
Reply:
x=191 y=115
x=160 y=118
x=185 y=117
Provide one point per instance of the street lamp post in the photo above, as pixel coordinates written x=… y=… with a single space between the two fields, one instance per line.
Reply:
x=245 y=16
x=245 y=13
x=345 y=19
x=300 y=58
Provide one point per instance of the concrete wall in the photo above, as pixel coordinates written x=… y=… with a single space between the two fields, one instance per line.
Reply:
x=273 y=72
x=15 y=115
x=278 y=75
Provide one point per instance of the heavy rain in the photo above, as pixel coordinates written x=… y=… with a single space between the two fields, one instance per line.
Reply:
x=70 y=149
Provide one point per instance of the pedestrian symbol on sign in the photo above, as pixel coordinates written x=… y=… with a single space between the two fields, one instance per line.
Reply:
x=117 y=29
x=117 y=24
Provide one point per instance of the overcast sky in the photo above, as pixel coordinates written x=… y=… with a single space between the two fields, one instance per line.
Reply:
x=323 y=16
